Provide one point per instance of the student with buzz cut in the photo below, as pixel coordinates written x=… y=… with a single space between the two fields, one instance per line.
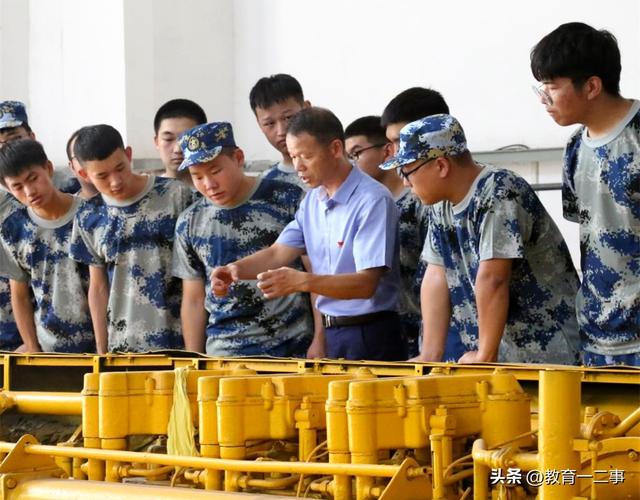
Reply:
x=347 y=225
x=237 y=215
x=578 y=68
x=410 y=105
x=172 y=119
x=34 y=253
x=274 y=100
x=367 y=147
x=498 y=267
x=125 y=236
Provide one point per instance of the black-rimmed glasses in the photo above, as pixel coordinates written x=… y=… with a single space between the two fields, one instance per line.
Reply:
x=405 y=175
x=356 y=154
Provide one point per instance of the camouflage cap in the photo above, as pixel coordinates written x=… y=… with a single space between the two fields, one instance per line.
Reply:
x=12 y=114
x=204 y=143
x=428 y=138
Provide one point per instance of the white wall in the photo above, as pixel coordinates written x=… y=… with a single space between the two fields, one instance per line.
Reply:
x=76 y=62
x=76 y=68
x=176 y=49
x=354 y=56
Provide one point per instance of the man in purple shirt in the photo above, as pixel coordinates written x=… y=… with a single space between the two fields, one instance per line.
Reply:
x=347 y=225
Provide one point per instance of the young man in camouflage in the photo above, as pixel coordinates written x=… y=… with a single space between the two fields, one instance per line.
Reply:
x=34 y=252
x=237 y=216
x=578 y=68
x=274 y=100
x=498 y=268
x=125 y=236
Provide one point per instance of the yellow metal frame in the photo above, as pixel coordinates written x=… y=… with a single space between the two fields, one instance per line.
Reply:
x=449 y=426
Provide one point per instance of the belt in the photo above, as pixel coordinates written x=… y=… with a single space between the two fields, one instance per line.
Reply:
x=332 y=321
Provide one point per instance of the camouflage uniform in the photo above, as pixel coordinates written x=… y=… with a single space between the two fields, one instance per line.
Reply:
x=243 y=322
x=413 y=226
x=601 y=191
x=499 y=218
x=133 y=240
x=37 y=250
x=284 y=173
x=9 y=336
x=502 y=218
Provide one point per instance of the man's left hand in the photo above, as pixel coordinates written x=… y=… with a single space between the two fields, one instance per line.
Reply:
x=475 y=357
x=280 y=282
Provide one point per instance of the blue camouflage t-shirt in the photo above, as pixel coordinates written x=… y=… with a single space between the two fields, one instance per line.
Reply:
x=284 y=173
x=413 y=226
x=601 y=191
x=37 y=250
x=243 y=322
x=502 y=218
x=9 y=335
x=133 y=240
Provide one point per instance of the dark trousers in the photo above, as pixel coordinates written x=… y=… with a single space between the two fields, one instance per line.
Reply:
x=379 y=340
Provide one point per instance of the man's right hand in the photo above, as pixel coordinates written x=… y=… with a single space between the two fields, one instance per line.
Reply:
x=222 y=277
x=24 y=348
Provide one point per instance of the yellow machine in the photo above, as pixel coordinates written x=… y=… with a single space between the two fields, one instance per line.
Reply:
x=157 y=426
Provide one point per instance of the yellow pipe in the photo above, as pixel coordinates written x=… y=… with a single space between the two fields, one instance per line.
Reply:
x=128 y=471
x=45 y=403
x=559 y=425
x=480 y=471
x=623 y=427
x=371 y=470
x=281 y=483
x=62 y=489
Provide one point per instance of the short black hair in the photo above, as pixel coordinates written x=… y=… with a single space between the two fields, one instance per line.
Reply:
x=317 y=122
x=368 y=126
x=69 y=141
x=179 y=108
x=97 y=142
x=412 y=104
x=18 y=156
x=273 y=89
x=578 y=51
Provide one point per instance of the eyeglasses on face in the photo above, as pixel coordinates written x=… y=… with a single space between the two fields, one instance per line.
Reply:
x=405 y=175
x=355 y=155
x=542 y=94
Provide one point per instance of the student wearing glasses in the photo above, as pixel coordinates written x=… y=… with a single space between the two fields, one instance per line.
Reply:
x=498 y=267
x=578 y=68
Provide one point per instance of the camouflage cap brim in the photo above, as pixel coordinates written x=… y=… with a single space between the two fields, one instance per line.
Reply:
x=10 y=124
x=399 y=161
x=200 y=157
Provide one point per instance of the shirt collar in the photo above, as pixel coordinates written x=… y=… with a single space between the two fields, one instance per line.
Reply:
x=346 y=189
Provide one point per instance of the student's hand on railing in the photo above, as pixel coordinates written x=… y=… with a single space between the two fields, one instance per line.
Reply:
x=317 y=349
x=24 y=348
x=475 y=357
